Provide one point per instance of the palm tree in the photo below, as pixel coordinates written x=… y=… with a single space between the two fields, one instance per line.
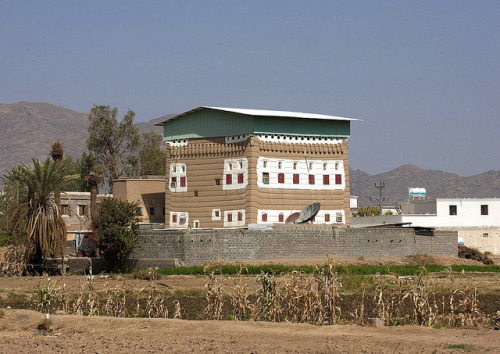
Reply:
x=93 y=179
x=37 y=215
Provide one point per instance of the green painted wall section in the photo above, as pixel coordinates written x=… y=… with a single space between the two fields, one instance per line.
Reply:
x=212 y=123
x=304 y=127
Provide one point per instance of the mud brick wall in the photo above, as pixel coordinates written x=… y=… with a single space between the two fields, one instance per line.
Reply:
x=191 y=247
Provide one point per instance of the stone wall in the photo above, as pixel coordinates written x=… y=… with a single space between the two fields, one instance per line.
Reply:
x=191 y=247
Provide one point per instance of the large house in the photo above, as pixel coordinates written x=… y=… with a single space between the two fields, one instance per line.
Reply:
x=230 y=167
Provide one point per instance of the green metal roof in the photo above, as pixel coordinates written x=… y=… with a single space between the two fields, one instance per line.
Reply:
x=204 y=122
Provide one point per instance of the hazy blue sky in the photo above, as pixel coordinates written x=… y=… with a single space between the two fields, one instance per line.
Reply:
x=423 y=75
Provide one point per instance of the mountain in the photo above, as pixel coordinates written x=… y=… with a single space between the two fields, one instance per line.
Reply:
x=437 y=183
x=28 y=129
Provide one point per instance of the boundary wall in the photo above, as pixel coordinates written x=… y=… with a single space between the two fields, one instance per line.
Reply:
x=193 y=247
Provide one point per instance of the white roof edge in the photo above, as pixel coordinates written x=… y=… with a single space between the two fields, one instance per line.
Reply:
x=272 y=113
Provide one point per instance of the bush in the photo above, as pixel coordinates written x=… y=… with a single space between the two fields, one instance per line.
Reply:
x=118 y=230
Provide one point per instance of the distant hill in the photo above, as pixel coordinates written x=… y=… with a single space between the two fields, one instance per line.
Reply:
x=27 y=130
x=437 y=183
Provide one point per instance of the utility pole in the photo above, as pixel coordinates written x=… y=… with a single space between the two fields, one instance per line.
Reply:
x=380 y=186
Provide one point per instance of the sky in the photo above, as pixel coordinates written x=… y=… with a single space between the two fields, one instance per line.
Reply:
x=424 y=76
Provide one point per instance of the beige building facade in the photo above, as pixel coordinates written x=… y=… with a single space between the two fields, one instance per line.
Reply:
x=147 y=191
x=257 y=177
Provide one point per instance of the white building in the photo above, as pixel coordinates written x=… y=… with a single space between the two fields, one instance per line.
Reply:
x=453 y=213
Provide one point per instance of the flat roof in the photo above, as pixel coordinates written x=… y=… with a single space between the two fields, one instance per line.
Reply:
x=263 y=113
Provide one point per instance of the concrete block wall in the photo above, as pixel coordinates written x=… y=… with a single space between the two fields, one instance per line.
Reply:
x=191 y=247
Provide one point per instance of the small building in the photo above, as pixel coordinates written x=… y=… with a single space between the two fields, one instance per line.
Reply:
x=229 y=167
x=147 y=191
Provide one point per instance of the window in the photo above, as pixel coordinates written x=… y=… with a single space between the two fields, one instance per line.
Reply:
x=484 y=209
x=196 y=224
x=295 y=165
x=183 y=168
x=240 y=177
x=453 y=210
x=66 y=210
x=173 y=182
x=336 y=165
x=338 y=179
x=182 y=220
x=280 y=165
x=240 y=216
x=174 y=168
x=281 y=178
x=264 y=217
x=82 y=210
x=229 y=179
x=174 y=218
x=217 y=213
x=229 y=166
x=229 y=217
x=326 y=179
x=281 y=218
x=183 y=181
x=265 y=178
x=217 y=181
x=264 y=163
x=310 y=166
x=152 y=211
x=296 y=178
x=240 y=163
x=196 y=193
x=325 y=165
x=327 y=217
x=339 y=217
x=311 y=179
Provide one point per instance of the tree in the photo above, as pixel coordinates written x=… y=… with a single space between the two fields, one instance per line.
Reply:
x=118 y=226
x=36 y=219
x=152 y=157
x=113 y=143
x=370 y=210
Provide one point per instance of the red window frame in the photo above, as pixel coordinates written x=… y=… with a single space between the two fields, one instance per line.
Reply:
x=327 y=217
x=311 y=179
x=240 y=177
x=240 y=216
x=281 y=178
x=296 y=178
x=281 y=218
x=326 y=179
x=229 y=217
x=183 y=181
x=174 y=218
x=338 y=179
x=229 y=178
x=264 y=216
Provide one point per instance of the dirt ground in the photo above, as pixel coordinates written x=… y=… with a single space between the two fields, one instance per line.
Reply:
x=75 y=334
x=19 y=330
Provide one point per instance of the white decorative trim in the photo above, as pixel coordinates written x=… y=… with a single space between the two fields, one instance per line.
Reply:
x=178 y=142
x=177 y=170
x=234 y=216
x=290 y=139
x=236 y=138
x=182 y=219
x=273 y=216
x=304 y=168
x=214 y=214
x=235 y=167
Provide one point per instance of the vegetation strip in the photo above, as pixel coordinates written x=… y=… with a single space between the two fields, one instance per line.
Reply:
x=349 y=269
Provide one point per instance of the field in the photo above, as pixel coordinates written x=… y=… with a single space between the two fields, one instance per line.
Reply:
x=112 y=312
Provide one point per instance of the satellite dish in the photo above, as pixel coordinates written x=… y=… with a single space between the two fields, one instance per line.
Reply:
x=291 y=219
x=308 y=213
